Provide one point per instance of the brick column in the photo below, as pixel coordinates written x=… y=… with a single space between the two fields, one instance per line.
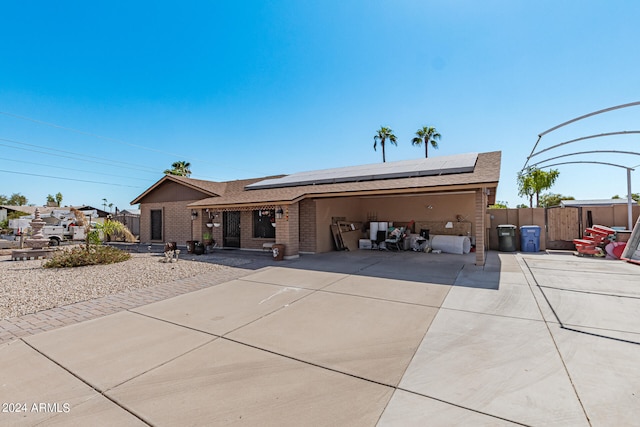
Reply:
x=308 y=239
x=480 y=216
x=288 y=230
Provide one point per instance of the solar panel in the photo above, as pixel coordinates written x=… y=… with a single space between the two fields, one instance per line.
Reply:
x=459 y=163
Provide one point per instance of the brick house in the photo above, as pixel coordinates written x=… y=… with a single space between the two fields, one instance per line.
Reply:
x=298 y=209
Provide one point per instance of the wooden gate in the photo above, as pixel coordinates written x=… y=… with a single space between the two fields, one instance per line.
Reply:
x=231 y=229
x=563 y=225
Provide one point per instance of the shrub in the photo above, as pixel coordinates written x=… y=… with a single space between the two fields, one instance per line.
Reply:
x=115 y=230
x=92 y=255
x=93 y=237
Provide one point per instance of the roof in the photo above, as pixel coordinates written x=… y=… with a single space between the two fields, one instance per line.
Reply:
x=30 y=209
x=444 y=165
x=486 y=172
x=129 y=212
x=46 y=210
x=596 y=202
x=210 y=188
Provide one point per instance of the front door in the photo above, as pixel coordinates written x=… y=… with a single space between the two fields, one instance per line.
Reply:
x=156 y=224
x=231 y=229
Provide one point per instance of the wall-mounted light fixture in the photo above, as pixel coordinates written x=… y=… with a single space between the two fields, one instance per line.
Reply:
x=279 y=212
x=449 y=224
x=194 y=214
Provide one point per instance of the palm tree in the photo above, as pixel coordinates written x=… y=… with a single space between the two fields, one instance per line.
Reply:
x=533 y=181
x=428 y=135
x=180 y=168
x=382 y=135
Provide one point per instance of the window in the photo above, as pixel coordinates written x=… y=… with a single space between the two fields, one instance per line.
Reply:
x=264 y=222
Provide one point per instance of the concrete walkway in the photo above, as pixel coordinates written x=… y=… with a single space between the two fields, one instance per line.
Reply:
x=363 y=338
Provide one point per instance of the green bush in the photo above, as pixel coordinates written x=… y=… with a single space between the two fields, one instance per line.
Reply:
x=82 y=255
x=93 y=237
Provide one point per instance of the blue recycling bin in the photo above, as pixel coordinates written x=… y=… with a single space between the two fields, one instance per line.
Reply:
x=530 y=238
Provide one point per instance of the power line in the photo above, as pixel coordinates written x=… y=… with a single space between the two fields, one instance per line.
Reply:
x=106 y=138
x=70 y=169
x=112 y=163
x=70 y=179
x=30 y=119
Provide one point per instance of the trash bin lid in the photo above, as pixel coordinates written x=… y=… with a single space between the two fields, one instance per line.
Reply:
x=534 y=227
x=507 y=226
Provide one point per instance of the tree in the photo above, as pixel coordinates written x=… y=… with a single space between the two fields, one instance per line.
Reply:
x=17 y=199
x=426 y=135
x=180 y=168
x=534 y=181
x=50 y=199
x=634 y=196
x=499 y=205
x=3 y=200
x=58 y=198
x=383 y=134
x=552 y=199
x=525 y=187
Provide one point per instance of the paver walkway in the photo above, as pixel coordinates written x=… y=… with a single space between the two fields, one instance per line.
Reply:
x=46 y=320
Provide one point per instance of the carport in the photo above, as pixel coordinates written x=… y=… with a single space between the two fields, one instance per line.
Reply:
x=302 y=206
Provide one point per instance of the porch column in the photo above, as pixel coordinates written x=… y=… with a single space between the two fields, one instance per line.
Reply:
x=481 y=215
x=287 y=230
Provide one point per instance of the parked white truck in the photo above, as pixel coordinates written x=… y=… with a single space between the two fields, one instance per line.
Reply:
x=61 y=226
x=59 y=233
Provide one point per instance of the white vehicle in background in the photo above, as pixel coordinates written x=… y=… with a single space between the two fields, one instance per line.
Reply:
x=61 y=226
x=59 y=233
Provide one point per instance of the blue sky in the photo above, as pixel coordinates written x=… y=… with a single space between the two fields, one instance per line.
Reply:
x=250 y=88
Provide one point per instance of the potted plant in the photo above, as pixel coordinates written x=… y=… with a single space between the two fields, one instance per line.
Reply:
x=198 y=248
x=208 y=239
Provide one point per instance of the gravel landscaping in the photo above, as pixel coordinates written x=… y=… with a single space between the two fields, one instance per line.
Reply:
x=26 y=287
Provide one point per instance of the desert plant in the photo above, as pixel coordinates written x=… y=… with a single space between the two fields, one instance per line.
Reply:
x=115 y=230
x=92 y=236
x=81 y=256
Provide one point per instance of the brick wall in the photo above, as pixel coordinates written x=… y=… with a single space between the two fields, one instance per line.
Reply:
x=308 y=226
x=288 y=230
x=176 y=222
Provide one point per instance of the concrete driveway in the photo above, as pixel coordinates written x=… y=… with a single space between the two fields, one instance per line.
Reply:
x=358 y=339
